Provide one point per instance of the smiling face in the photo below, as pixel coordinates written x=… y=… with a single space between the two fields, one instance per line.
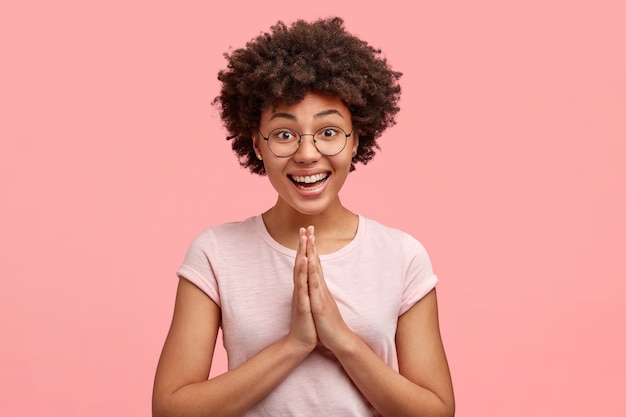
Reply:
x=307 y=181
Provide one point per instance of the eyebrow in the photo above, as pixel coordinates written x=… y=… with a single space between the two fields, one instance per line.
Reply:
x=319 y=115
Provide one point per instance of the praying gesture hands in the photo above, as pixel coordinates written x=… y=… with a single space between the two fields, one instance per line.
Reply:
x=315 y=316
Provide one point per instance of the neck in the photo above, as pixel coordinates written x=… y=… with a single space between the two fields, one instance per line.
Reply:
x=333 y=228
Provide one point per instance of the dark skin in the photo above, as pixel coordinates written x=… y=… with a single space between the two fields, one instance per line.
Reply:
x=422 y=387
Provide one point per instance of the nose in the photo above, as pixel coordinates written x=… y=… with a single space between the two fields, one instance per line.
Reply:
x=307 y=151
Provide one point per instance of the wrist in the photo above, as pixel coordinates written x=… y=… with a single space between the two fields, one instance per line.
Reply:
x=345 y=344
x=297 y=347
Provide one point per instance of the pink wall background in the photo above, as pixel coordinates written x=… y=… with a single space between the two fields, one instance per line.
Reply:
x=507 y=163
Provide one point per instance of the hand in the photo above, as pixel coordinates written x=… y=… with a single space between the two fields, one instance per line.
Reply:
x=331 y=329
x=302 y=326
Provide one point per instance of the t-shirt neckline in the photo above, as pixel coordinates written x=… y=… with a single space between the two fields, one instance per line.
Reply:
x=360 y=232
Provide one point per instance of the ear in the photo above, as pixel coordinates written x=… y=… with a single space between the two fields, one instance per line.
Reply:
x=355 y=144
x=255 y=143
x=256 y=147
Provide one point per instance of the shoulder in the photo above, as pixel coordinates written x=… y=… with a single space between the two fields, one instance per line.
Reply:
x=224 y=240
x=215 y=249
x=383 y=235
x=225 y=232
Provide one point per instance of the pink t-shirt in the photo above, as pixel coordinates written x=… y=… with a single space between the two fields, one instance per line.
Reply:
x=376 y=278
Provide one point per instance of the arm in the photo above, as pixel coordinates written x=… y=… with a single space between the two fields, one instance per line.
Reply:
x=423 y=386
x=181 y=387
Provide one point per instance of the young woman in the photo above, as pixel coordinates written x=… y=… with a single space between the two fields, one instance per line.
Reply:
x=323 y=312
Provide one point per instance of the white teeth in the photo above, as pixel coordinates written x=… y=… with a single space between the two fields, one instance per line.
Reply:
x=310 y=178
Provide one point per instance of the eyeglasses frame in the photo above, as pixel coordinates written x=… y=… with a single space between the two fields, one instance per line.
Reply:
x=306 y=134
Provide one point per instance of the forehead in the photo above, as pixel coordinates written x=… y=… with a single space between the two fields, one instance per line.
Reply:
x=312 y=107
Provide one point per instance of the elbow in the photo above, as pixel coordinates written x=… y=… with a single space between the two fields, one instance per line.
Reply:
x=162 y=406
x=158 y=409
x=448 y=409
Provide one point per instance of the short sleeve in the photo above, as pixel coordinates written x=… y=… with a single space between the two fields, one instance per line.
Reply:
x=197 y=266
x=419 y=276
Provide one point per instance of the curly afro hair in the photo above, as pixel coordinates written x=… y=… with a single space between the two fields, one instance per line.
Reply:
x=283 y=65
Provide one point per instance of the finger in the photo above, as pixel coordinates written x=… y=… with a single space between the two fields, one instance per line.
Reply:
x=300 y=268
x=311 y=251
x=315 y=275
x=301 y=282
x=301 y=265
x=301 y=250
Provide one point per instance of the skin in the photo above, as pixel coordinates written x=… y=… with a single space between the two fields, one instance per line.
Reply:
x=422 y=387
x=293 y=209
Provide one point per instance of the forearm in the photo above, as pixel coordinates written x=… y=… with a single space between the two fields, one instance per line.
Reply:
x=389 y=392
x=235 y=391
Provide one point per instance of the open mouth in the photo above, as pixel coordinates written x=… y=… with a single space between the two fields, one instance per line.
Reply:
x=309 y=182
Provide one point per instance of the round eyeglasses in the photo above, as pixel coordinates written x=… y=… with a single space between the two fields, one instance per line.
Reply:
x=329 y=140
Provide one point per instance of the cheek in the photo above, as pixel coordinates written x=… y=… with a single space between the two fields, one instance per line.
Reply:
x=345 y=162
x=274 y=168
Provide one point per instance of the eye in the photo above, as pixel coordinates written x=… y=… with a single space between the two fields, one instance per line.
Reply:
x=282 y=135
x=327 y=132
